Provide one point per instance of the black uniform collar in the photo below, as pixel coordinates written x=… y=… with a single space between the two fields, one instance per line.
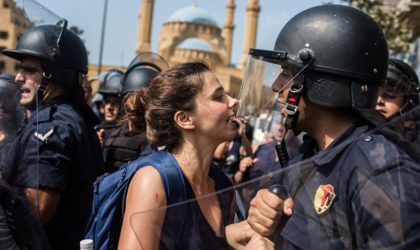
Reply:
x=339 y=144
x=43 y=113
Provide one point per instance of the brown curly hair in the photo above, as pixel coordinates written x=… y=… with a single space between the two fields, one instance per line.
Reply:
x=152 y=108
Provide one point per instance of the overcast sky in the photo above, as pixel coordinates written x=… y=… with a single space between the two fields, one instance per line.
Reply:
x=122 y=22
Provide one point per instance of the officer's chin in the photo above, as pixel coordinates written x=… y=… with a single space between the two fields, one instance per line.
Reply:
x=26 y=101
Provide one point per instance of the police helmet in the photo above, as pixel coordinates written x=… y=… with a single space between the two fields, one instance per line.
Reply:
x=141 y=71
x=340 y=51
x=403 y=79
x=62 y=53
x=110 y=82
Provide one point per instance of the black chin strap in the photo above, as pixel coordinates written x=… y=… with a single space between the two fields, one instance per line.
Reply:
x=306 y=56
x=292 y=103
x=409 y=104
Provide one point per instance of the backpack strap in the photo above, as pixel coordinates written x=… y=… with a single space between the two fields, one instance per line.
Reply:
x=172 y=177
x=175 y=189
x=170 y=172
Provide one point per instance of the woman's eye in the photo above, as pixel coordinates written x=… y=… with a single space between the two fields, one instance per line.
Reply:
x=220 y=97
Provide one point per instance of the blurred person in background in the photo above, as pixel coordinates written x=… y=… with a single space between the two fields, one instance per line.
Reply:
x=110 y=90
x=123 y=142
x=265 y=159
x=11 y=113
x=400 y=92
x=398 y=96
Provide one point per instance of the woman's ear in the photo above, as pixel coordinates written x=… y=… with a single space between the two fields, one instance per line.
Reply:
x=184 y=120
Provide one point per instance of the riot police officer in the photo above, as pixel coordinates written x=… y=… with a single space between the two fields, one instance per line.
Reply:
x=400 y=91
x=356 y=188
x=56 y=155
x=123 y=143
x=110 y=90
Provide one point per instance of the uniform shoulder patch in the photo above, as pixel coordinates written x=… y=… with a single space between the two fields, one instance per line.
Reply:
x=324 y=198
x=44 y=137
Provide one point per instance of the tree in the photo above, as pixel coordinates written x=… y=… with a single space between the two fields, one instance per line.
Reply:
x=398 y=31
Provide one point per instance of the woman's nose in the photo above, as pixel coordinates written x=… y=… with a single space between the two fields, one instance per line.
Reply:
x=233 y=102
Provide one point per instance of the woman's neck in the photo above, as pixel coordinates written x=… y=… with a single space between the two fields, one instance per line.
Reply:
x=195 y=160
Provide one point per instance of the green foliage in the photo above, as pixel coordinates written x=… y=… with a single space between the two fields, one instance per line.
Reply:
x=398 y=31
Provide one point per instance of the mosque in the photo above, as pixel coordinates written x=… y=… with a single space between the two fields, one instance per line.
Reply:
x=191 y=34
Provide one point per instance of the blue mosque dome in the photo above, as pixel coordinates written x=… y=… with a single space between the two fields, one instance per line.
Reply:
x=195 y=43
x=192 y=14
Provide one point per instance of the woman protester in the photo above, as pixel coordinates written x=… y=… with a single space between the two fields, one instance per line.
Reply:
x=186 y=110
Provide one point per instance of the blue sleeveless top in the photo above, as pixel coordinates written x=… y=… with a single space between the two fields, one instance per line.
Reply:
x=196 y=232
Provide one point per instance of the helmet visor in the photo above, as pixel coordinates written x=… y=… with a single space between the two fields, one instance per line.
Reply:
x=267 y=75
x=398 y=82
x=29 y=13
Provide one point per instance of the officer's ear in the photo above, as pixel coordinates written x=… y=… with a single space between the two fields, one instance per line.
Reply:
x=184 y=120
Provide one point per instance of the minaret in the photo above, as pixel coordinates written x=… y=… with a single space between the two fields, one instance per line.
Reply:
x=228 y=28
x=145 y=27
x=252 y=10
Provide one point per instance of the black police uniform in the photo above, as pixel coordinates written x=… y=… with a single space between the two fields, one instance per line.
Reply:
x=57 y=150
x=348 y=196
x=121 y=146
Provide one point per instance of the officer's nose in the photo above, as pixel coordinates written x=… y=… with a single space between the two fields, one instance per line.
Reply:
x=19 y=78
x=276 y=85
x=380 y=102
x=279 y=84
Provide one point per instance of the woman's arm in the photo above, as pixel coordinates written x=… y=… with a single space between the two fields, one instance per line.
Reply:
x=238 y=234
x=241 y=236
x=140 y=229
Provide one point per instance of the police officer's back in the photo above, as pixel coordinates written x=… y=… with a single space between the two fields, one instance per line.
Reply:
x=56 y=155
